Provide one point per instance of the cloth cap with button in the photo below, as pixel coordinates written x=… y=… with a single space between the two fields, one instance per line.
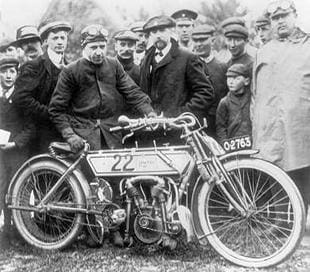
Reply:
x=280 y=7
x=185 y=14
x=233 y=21
x=262 y=21
x=45 y=29
x=93 y=33
x=126 y=35
x=238 y=69
x=157 y=22
x=203 y=30
x=236 y=31
x=137 y=26
x=6 y=43
x=8 y=62
x=26 y=33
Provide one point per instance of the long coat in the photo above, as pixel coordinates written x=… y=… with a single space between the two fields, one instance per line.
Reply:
x=88 y=98
x=281 y=108
x=33 y=90
x=177 y=83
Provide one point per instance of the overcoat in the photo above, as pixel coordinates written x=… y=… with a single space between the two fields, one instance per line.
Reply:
x=88 y=98
x=281 y=102
x=177 y=83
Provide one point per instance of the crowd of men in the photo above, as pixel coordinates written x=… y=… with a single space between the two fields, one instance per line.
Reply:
x=164 y=65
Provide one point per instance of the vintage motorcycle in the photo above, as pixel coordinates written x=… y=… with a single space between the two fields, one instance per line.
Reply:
x=248 y=209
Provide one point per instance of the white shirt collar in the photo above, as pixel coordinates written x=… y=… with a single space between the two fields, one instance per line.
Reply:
x=7 y=94
x=57 y=59
x=210 y=58
x=165 y=51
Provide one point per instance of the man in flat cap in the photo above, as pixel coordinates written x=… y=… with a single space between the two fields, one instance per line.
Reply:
x=7 y=48
x=185 y=21
x=142 y=43
x=281 y=104
x=173 y=77
x=203 y=37
x=28 y=39
x=125 y=46
x=263 y=29
x=37 y=80
x=14 y=150
x=236 y=39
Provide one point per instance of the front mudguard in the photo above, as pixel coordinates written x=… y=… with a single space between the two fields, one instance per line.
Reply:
x=77 y=173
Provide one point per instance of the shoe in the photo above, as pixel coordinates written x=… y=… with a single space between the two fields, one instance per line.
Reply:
x=117 y=239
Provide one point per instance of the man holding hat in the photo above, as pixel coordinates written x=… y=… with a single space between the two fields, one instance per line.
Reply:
x=281 y=96
x=203 y=40
x=236 y=38
x=37 y=80
x=263 y=29
x=185 y=19
x=125 y=46
x=7 y=48
x=28 y=39
x=142 y=43
x=19 y=130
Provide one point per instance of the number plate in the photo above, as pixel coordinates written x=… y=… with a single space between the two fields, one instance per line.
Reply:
x=237 y=143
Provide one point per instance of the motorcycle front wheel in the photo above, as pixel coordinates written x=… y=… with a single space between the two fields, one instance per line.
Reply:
x=272 y=226
x=47 y=229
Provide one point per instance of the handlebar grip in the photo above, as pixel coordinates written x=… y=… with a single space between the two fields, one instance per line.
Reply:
x=114 y=129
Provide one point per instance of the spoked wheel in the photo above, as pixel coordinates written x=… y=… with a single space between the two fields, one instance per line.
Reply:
x=48 y=228
x=271 y=227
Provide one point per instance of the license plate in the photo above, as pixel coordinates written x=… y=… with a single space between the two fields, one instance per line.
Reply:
x=237 y=143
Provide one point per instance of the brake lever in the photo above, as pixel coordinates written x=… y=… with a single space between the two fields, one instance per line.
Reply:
x=127 y=136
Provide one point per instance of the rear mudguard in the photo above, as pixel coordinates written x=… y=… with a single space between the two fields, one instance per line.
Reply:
x=78 y=175
x=238 y=154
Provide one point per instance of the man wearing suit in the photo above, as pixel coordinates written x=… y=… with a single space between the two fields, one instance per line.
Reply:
x=37 y=80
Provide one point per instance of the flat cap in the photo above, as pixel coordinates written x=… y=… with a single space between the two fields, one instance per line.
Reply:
x=45 y=29
x=126 y=35
x=238 y=69
x=261 y=21
x=93 y=33
x=156 y=22
x=8 y=62
x=280 y=7
x=26 y=33
x=184 y=14
x=203 y=30
x=5 y=43
x=237 y=31
x=137 y=26
x=233 y=21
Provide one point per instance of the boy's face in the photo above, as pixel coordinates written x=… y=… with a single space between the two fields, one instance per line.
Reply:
x=7 y=77
x=236 y=84
x=57 y=41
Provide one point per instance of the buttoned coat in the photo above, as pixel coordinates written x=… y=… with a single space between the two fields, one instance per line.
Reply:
x=176 y=84
x=88 y=98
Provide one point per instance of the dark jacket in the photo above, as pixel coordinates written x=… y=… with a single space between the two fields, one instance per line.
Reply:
x=233 y=116
x=34 y=88
x=245 y=59
x=132 y=69
x=88 y=99
x=177 y=83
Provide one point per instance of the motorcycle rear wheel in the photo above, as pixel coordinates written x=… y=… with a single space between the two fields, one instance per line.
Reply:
x=274 y=224
x=49 y=229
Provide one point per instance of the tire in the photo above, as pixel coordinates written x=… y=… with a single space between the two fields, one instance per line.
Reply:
x=52 y=229
x=273 y=227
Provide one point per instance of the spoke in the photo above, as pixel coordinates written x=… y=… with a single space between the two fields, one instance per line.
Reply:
x=267 y=190
x=273 y=204
x=264 y=246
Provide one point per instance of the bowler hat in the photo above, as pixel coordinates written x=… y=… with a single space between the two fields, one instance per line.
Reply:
x=237 y=31
x=5 y=43
x=156 y=22
x=238 y=69
x=53 y=26
x=185 y=14
x=8 y=62
x=137 y=26
x=261 y=21
x=203 y=30
x=126 y=35
x=26 y=33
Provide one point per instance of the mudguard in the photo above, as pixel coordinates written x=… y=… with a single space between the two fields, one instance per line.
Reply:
x=238 y=154
x=77 y=173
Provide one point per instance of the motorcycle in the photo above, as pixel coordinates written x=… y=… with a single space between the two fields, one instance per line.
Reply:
x=247 y=209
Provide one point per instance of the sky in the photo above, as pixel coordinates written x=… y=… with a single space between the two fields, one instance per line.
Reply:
x=18 y=12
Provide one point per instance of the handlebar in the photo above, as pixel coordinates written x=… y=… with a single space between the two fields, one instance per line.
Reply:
x=184 y=120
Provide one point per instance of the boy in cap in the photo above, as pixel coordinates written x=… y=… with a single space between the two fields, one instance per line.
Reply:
x=142 y=43
x=185 y=20
x=7 y=48
x=233 y=112
x=37 y=80
x=263 y=29
x=28 y=39
x=203 y=40
x=13 y=150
